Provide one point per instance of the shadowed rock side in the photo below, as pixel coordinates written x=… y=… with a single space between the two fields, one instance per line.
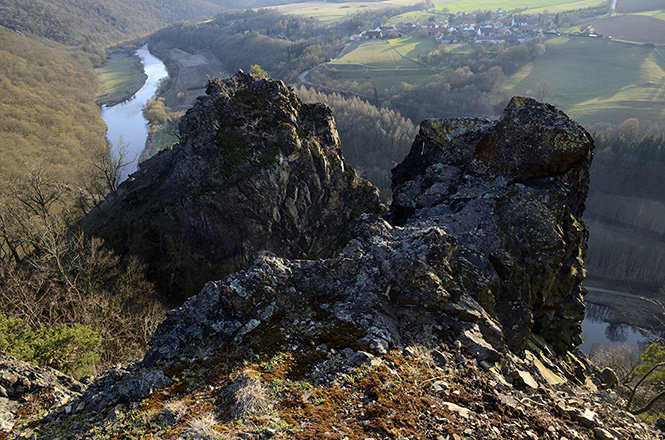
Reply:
x=255 y=169
x=455 y=317
x=25 y=390
x=512 y=192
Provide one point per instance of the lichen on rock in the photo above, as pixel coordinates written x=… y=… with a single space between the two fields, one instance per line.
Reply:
x=512 y=192
x=456 y=314
x=255 y=170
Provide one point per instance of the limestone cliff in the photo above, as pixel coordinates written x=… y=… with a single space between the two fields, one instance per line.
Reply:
x=455 y=316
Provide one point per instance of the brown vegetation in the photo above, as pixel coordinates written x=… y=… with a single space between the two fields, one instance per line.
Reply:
x=52 y=274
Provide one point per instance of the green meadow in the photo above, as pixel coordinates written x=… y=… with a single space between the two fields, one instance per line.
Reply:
x=119 y=78
x=597 y=80
x=385 y=62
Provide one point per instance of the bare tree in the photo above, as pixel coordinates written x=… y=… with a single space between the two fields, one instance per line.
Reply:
x=543 y=90
x=106 y=167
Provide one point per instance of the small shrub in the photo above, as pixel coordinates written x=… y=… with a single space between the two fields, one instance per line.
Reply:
x=73 y=350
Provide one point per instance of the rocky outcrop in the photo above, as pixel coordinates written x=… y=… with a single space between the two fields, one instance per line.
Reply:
x=512 y=192
x=456 y=316
x=27 y=390
x=255 y=169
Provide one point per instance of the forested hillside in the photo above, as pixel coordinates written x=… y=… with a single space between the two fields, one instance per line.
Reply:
x=94 y=25
x=626 y=210
x=48 y=114
x=66 y=301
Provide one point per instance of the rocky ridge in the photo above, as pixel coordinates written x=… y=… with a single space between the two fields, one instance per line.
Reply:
x=255 y=170
x=455 y=316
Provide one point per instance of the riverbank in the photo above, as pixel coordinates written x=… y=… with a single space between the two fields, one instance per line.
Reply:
x=120 y=78
x=189 y=74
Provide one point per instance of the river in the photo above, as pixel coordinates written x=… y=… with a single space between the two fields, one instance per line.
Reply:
x=125 y=121
x=596 y=329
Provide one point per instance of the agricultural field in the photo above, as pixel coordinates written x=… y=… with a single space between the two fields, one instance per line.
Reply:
x=597 y=80
x=531 y=6
x=636 y=28
x=331 y=12
x=385 y=62
x=633 y=6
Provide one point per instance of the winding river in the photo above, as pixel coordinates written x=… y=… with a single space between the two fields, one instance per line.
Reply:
x=125 y=121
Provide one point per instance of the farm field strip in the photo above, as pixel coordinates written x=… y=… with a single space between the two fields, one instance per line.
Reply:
x=631 y=84
x=398 y=52
x=532 y=6
x=385 y=63
x=119 y=78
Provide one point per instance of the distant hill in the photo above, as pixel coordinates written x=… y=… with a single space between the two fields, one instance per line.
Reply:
x=242 y=4
x=95 y=21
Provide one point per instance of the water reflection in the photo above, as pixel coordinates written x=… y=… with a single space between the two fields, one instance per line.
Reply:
x=596 y=329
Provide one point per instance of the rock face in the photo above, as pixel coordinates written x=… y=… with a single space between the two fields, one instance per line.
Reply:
x=455 y=316
x=484 y=245
x=255 y=169
x=25 y=390
x=512 y=192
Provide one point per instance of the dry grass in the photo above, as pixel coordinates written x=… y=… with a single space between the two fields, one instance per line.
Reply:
x=172 y=412
x=252 y=396
x=202 y=428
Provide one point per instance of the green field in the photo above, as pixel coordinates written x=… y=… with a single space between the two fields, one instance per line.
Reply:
x=331 y=12
x=417 y=16
x=532 y=6
x=596 y=80
x=385 y=62
x=120 y=78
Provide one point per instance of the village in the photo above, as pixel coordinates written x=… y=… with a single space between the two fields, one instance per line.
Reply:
x=481 y=28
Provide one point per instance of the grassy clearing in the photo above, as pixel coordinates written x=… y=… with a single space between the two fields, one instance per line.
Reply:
x=532 y=6
x=120 y=78
x=632 y=85
x=385 y=62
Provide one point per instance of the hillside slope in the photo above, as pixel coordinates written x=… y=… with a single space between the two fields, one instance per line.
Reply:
x=93 y=22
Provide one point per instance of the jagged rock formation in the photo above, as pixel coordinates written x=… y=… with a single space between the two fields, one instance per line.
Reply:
x=25 y=390
x=512 y=192
x=453 y=317
x=255 y=169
